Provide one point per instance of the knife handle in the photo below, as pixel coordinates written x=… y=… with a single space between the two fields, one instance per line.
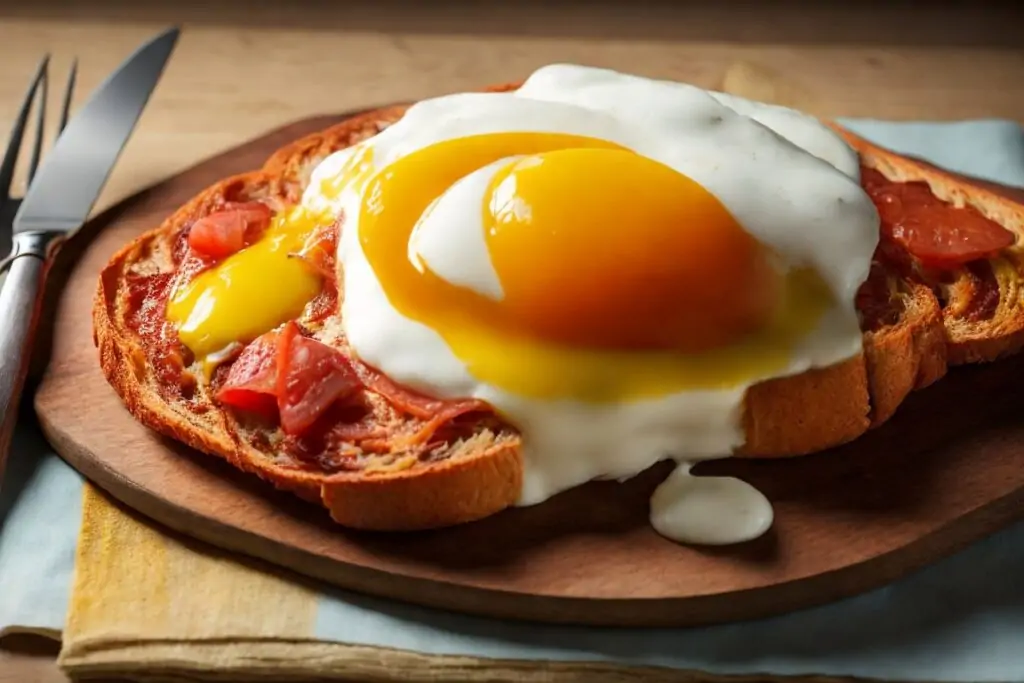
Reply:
x=20 y=302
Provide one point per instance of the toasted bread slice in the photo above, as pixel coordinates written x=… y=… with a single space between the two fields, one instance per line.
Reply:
x=982 y=303
x=472 y=468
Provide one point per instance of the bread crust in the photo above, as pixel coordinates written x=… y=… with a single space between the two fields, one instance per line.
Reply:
x=905 y=357
x=808 y=412
x=481 y=475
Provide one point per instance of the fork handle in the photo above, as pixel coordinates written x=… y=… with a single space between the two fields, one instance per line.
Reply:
x=20 y=301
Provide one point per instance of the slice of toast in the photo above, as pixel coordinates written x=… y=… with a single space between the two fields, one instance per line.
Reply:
x=471 y=468
x=982 y=303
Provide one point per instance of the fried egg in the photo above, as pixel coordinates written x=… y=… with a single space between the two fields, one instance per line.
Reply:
x=609 y=261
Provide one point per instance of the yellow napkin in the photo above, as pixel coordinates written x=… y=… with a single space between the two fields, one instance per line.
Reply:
x=149 y=605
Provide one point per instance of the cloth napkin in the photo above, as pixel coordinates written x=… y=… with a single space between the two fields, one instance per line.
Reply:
x=130 y=597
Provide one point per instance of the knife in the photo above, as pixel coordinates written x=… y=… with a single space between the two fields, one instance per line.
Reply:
x=58 y=201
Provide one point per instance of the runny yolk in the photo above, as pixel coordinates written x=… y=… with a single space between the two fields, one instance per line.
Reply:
x=621 y=277
x=607 y=248
x=263 y=285
x=250 y=292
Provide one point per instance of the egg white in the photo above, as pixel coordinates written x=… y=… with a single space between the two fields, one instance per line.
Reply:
x=787 y=179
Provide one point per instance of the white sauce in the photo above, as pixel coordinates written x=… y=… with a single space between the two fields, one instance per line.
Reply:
x=789 y=180
x=803 y=130
x=709 y=510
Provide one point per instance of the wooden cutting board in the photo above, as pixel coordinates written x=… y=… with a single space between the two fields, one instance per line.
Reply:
x=949 y=469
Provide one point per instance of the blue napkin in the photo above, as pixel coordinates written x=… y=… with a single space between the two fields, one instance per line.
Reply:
x=959 y=620
x=40 y=512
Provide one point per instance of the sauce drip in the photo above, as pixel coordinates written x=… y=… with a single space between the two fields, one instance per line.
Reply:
x=709 y=510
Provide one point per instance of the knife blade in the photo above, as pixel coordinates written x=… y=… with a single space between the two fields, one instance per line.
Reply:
x=59 y=200
x=72 y=175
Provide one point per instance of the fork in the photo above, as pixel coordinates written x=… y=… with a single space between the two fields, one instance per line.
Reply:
x=8 y=202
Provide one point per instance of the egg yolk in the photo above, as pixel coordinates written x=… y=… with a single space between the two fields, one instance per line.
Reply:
x=608 y=248
x=250 y=292
x=594 y=245
x=621 y=277
x=262 y=286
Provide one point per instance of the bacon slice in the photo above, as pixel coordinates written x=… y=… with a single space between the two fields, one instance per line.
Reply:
x=875 y=301
x=299 y=379
x=411 y=402
x=318 y=251
x=227 y=231
x=147 y=300
x=251 y=383
x=935 y=232
x=311 y=377
x=318 y=254
x=449 y=411
x=434 y=412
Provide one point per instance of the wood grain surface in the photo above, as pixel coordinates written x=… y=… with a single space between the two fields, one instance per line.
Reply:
x=846 y=520
x=243 y=68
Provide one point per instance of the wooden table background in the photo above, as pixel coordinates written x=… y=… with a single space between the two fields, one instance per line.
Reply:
x=243 y=67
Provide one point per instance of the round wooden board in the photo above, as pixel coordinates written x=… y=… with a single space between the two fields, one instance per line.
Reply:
x=947 y=470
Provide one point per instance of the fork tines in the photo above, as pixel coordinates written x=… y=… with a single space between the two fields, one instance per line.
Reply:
x=37 y=89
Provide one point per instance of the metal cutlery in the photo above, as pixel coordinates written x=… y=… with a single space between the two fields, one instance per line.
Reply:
x=61 y=193
x=9 y=204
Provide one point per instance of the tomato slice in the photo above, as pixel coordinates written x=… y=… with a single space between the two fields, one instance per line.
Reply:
x=935 y=232
x=939 y=239
x=312 y=377
x=226 y=231
x=251 y=383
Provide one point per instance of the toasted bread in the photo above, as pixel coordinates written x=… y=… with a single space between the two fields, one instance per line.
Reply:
x=982 y=304
x=475 y=470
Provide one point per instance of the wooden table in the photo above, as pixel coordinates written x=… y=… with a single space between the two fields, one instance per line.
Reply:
x=242 y=68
